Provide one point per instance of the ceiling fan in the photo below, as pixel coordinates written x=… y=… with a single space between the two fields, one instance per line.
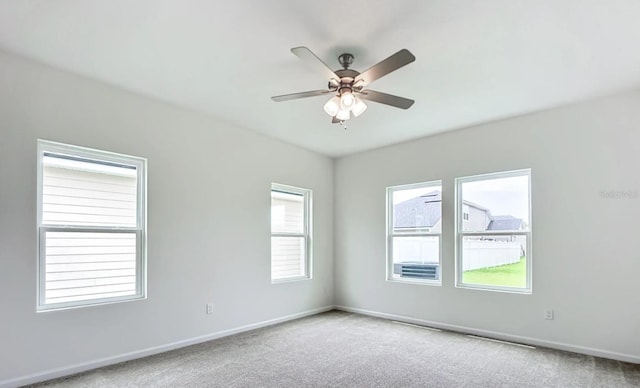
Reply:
x=349 y=86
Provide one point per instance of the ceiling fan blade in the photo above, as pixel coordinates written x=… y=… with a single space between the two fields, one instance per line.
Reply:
x=293 y=96
x=312 y=60
x=382 y=68
x=334 y=120
x=387 y=99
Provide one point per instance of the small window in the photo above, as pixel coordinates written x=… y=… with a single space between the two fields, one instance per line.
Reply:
x=494 y=231
x=414 y=225
x=91 y=226
x=290 y=233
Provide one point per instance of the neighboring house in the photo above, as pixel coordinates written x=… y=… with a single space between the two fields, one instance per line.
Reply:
x=475 y=217
x=425 y=212
x=506 y=223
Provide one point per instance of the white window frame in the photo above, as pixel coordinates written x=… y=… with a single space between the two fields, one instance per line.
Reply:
x=49 y=147
x=391 y=234
x=306 y=234
x=460 y=234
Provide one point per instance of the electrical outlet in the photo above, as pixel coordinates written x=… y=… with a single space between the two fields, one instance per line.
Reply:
x=548 y=314
x=209 y=308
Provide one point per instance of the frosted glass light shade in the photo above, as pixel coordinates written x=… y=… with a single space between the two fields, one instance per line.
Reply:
x=343 y=115
x=347 y=99
x=359 y=107
x=332 y=106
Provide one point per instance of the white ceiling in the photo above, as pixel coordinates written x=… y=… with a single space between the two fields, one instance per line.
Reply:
x=477 y=61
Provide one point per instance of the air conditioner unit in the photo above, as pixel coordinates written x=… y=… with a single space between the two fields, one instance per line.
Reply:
x=417 y=270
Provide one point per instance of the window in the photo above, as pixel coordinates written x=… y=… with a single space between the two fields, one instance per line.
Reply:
x=290 y=233
x=91 y=226
x=493 y=246
x=414 y=224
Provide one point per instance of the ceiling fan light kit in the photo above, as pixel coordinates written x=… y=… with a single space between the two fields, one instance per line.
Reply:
x=332 y=106
x=359 y=107
x=348 y=85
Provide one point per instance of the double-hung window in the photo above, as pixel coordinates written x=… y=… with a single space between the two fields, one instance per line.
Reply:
x=91 y=226
x=290 y=233
x=493 y=231
x=414 y=226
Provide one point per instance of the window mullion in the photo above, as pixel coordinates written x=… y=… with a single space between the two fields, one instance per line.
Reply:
x=494 y=233
x=414 y=234
x=70 y=228
x=288 y=235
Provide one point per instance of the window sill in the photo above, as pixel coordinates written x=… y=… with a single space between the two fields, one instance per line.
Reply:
x=416 y=281
x=61 y=307
x=290 y=280
x=521 y=291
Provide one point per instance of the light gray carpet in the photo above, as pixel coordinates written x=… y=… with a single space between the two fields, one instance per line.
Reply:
x=338 y=349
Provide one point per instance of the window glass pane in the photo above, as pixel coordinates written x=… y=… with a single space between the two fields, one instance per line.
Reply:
x=416 y=257
x=91 y=229
x=495 y=260
x=287 y=212
x=83 y=192
x=417 y=210
x=495 y=204
x=83 y=265
x=287 y=257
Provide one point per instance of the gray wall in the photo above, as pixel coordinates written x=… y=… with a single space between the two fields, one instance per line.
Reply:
x=208 y=221
x=586 y=253
x=209 y=186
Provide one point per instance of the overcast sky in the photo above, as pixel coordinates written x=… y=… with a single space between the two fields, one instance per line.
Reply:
x=503 y=196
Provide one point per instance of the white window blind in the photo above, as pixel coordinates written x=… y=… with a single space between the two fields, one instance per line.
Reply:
x=91 y=226
x=290 y=232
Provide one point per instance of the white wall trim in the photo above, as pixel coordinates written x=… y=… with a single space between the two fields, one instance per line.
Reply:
x=82 y=367
x=85 y=366
x=500 y=336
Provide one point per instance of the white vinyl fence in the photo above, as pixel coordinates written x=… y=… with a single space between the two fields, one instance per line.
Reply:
x=483 y=254
x=424 y=249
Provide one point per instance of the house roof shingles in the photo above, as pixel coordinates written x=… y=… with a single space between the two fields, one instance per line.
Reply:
x=420 y=212
x=505 y=223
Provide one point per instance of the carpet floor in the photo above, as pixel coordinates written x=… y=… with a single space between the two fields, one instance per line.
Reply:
x=339 y=349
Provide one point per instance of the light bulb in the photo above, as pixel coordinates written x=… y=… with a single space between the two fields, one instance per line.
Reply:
x=347 y=100
x=343 y=115
x=359 y=107
x=332 y=106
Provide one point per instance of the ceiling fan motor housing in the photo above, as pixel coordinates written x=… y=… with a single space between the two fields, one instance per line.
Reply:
x=347 y=76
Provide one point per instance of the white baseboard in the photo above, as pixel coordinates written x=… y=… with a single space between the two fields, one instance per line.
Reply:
x=85 y=366
x=500 y=336
x=77 y=368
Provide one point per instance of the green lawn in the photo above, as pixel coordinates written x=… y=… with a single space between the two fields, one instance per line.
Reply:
x=510 y=275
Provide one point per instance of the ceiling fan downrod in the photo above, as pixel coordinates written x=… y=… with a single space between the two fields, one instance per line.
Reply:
x=345 y=60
